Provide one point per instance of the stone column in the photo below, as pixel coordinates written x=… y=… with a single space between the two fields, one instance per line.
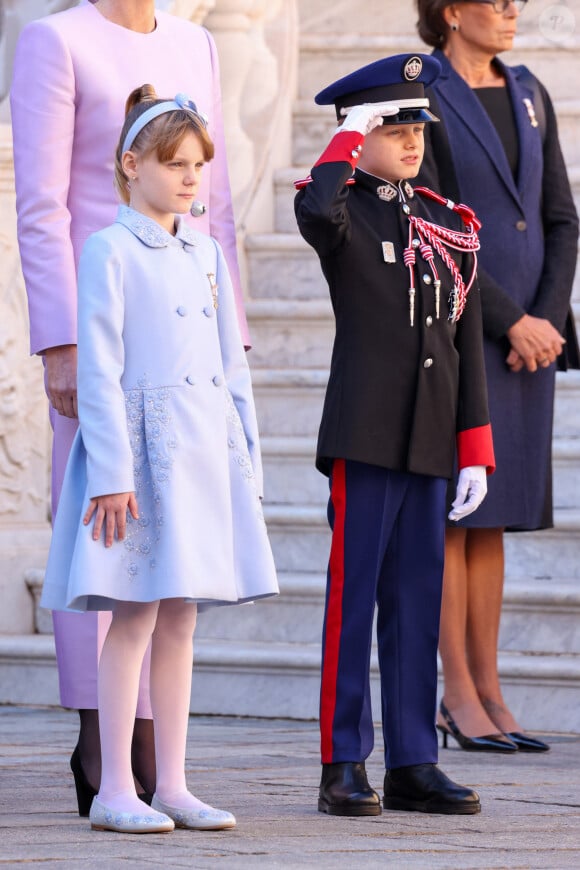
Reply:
x=24 y=441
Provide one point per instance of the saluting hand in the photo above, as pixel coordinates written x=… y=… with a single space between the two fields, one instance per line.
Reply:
x=364 y=118
x=111 y=511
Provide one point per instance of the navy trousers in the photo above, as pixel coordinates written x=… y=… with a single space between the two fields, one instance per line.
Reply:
x=387 y=549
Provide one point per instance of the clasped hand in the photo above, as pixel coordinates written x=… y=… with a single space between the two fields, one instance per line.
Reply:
x=110 y=511
x=470 y=492
x=534 y=342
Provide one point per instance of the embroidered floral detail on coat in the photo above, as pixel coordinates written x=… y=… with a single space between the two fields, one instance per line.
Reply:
x=151 y=233
x=148 y=420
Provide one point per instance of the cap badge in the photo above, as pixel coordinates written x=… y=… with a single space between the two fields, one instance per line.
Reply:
x=412 y=69
x=387 y=192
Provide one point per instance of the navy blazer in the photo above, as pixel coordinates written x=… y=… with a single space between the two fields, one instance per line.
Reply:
x=529 y=235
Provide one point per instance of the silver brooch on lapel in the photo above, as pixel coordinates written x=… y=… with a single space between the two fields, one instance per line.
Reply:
x=531 y=112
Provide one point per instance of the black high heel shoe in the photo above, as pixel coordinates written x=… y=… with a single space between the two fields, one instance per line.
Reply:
x=85 y=791
x=525 y=743
x=488 y=743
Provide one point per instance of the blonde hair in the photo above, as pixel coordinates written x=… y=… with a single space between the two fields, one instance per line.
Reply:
x=162 y=135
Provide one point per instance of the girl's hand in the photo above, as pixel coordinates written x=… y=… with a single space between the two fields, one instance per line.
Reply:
x=112 y=511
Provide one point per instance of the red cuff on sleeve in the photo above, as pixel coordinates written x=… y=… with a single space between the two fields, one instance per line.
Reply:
x=344 y=147
x=475 y=447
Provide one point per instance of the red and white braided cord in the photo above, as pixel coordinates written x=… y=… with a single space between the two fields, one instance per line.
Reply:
x=442 y=238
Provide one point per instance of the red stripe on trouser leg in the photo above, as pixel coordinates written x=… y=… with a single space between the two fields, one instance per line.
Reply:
x=333 y=618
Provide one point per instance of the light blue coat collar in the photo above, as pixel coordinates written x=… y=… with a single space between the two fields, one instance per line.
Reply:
x=150 y=233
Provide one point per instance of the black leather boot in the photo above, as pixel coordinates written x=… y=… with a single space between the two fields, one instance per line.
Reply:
x=345 y=791
x=426 y=789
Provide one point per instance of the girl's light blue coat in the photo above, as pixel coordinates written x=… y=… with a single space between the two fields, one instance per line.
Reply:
x=166 y=410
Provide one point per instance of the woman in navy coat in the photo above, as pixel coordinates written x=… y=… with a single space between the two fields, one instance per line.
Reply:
x=497 y=149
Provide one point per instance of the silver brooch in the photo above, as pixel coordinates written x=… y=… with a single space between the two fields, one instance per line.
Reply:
x=531 y=112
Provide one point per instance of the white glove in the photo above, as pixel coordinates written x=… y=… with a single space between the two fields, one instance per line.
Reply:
x=471 y=490
x=366 y=117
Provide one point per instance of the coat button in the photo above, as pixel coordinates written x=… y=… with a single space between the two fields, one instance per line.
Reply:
x=521 y=226
x=181 y=310
x=406 y=209
x=217 y=380
x=209 y=311
x=190 y=380
x=428 y=320
x=428 y=363
x=427 y=279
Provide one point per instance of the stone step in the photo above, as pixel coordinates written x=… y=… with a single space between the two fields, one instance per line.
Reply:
x=299 y=535
x=290 y=333
x=329 y=55
x=289 y=473
x=289 y=402
x=538 y=616
x=283 y=680
x=301 y=539
x=291 y=478
x=567 y=405
x=321 y=18
x=295 y=616
x=283 y=266
x=541 y=616
x=566 y=471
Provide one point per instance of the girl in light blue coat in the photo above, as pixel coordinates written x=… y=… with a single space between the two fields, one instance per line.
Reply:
x=160 y=512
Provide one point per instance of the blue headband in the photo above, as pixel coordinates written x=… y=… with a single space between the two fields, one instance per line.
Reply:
x=180 y=103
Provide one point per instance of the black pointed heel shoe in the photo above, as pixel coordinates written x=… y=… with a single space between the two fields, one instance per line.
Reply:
x=525 y=743
x=488 y=743
x=345 y=791
x=85 y=791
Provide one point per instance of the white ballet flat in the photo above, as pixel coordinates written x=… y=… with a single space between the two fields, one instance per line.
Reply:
x=208 y=819
x=104 y=818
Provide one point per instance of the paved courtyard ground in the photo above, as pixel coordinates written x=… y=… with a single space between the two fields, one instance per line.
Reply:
x=266 y=772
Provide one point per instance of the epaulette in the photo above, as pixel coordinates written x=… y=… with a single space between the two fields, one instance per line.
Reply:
x=303 y=182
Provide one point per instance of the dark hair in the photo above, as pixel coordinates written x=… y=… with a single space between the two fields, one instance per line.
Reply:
x=431 y=25
x=161 y=135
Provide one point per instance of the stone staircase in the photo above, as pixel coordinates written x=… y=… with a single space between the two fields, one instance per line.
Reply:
x=264 y=659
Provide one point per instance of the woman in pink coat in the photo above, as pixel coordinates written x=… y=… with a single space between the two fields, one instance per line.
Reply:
x=72 y=71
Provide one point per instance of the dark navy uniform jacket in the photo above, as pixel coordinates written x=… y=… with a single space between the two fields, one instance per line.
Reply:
x=399 y=396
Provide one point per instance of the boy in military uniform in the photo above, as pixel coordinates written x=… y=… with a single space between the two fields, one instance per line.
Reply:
x=406 y=398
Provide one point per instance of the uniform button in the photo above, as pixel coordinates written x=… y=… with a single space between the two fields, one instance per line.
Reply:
x=427 y=279
x=181 y=310
x=217 y=380
x=428 y=363
x=406 y=209
x=428 y=320
x=209 y=311
x=521 y=226
x=190 y=380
